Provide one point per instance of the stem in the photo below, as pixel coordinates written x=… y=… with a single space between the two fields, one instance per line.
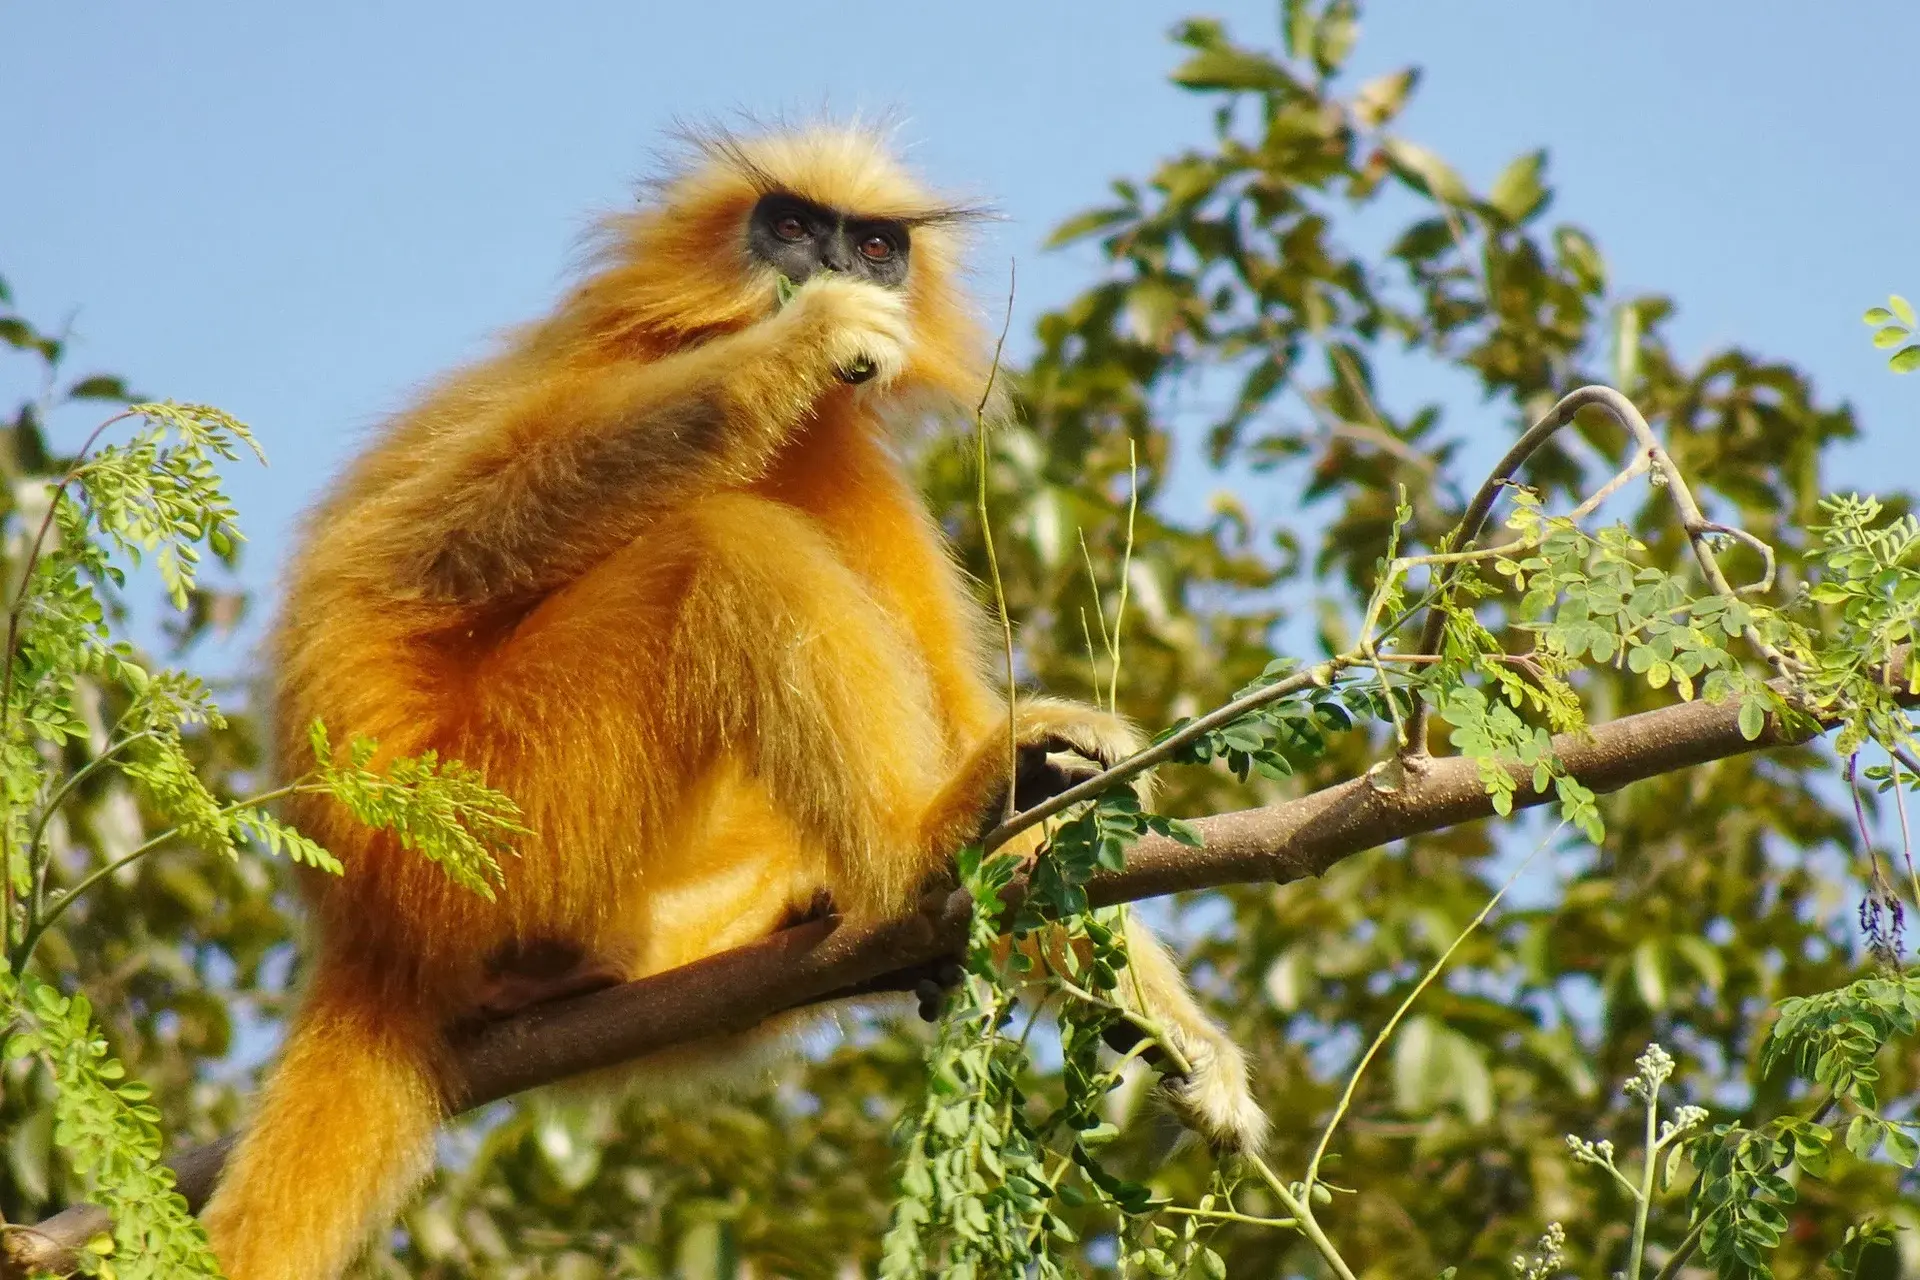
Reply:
x=1166 y=749
x=1228 y=1215
x=14 y=614
x=1698 y=528
x=1684 y=1251
x=24 y=953
x=1300 y=1208
x=986 y=535
x=1126 y=570
x=1906 y=833
x=59 y=796
x=1176 y=1061
x=1319 y=675
x=1626 y=1183
x=1643 y=1198
x=1426 y=980
x=1086 y=634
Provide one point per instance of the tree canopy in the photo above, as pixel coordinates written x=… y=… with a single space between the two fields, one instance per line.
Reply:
x=1235 y=337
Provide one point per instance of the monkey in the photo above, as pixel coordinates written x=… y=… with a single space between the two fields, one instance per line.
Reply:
x=655 y=569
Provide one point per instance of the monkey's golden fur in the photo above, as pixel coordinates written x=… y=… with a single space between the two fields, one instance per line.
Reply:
x=654 y=569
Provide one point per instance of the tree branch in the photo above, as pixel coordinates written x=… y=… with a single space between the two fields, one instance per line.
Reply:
x=830 y=958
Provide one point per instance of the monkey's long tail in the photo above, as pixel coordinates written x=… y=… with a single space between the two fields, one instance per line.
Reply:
x=343 y=1132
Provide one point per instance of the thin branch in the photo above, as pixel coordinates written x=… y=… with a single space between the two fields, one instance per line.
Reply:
x=1427 y=979
x=1126 y=574
x=52 y=808
x=1700 y=531
x=15 y=611
x=986 y=534
x=45 y=920
x=832 y=959
x=1683 y=1251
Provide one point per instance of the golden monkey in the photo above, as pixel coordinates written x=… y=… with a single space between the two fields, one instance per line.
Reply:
x=655 y=570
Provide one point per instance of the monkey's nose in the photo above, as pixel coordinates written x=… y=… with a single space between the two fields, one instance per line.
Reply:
x=836 y=259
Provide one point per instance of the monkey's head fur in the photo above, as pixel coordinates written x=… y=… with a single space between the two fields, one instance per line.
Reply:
x=682 y=267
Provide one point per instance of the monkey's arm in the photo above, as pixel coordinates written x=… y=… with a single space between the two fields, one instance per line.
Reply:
x=547 y=477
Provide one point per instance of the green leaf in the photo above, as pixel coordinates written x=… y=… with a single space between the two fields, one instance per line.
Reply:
x=1905 y=360
x=1333 y=41
x=1863 y=1135
x=1626 y=346
x=16 y=332
x=1231 y=70
x=1650 y=975
x=1753 y=718
x=1903 y=1148
x=1581 y=259
x=1892 y=336
x=1518 y=192
x=1082 y=225
x=1296 y=27
x=1902 y=308
x=1425 y=171
x=1382 y=98
x=99 y=387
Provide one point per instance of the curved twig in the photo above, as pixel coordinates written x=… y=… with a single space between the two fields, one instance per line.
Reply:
x=1652 y=456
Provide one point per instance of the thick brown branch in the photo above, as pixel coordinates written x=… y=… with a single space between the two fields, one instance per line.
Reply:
x=821 y=959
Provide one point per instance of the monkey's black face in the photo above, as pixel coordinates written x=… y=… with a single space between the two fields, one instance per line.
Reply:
x=798 y=238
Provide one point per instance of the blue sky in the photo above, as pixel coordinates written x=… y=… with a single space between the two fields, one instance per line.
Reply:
x=300 y=212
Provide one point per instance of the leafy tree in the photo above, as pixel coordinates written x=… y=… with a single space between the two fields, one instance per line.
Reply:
x=104 y=763
x=1709 y=997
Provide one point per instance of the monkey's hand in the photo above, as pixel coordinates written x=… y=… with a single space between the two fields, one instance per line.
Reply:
x=858 y=332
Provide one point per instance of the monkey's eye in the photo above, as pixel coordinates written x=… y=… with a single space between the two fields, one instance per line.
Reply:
x=790 y=229
x=876 y=248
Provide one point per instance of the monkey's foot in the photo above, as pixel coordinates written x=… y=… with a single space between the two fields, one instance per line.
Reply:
x=523 y=974
x=937 y=980
x=819 y=907
x=1213 y=1099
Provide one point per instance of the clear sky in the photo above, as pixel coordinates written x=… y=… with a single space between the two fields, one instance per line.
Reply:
x=299 y=212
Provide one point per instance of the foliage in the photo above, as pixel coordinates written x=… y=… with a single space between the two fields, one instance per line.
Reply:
x=1236 y=333
x=1893 y=326
x=1230 y=279
x=110 y=1134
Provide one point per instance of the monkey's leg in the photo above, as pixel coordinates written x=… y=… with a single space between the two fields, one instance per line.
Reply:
x=1211 y=1097
x=712 y=725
